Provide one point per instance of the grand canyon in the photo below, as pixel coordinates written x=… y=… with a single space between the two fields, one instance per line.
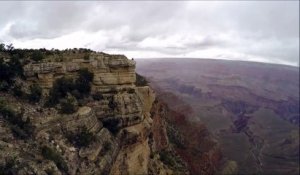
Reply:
x=250 y=109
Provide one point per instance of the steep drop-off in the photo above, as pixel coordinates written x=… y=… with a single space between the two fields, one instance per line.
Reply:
x=250 y=109
x=108 y=130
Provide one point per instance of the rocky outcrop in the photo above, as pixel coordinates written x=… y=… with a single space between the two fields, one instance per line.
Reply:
x=109 y=71
x=135 y=152
x=119 y=128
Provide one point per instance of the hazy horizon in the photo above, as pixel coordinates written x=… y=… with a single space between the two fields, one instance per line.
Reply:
x=218 y=59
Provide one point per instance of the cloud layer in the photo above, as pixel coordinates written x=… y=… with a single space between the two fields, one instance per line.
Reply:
x=256 y=31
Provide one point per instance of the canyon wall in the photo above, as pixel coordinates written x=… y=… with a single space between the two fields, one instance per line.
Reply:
x=128 y=138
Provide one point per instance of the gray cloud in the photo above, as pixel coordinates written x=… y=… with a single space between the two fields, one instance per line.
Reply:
x=261 y=31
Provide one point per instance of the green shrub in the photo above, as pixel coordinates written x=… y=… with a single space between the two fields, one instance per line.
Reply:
x=2 y=47
x=50 y=172
x=9 y=69
x=51 y=100
x=77 y=94
x=51 y=154
x=21 y=129
x=98 y=96
x=7 y=168
x=113 y=90
x=131 y=91
x=112 y=104
x=82 y=138
x=68 y=105
x=37 y=56
x=140 y=80
x=82 y=83
x=167 y=158
x=19 y=132
x=106 y=148
x=17 y=91
x=86 y=74
x=111 y=124
x=9 y=48
x=63 y=86
x=35 y=93
x=86 y=57
x=16 y=66
x=4 y=86
x=6 y=75
x=83 y=86
x=82 y=102
x=9 y=114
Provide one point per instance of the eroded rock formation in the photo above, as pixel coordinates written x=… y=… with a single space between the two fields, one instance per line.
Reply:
x=122 y=134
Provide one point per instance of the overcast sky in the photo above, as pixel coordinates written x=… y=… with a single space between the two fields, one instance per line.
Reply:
x=257 y=31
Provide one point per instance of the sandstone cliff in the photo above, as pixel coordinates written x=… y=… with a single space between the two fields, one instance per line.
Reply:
x=124 y=137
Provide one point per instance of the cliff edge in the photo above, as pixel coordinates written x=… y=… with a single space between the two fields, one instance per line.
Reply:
x=79 y=112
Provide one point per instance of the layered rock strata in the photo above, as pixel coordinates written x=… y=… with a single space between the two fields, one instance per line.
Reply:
x=124 y=134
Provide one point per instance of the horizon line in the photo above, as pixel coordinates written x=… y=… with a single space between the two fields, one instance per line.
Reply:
x=221 y=59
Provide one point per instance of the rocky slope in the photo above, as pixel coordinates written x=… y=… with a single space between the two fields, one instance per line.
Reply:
x=110 y=130
x=191 y=140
